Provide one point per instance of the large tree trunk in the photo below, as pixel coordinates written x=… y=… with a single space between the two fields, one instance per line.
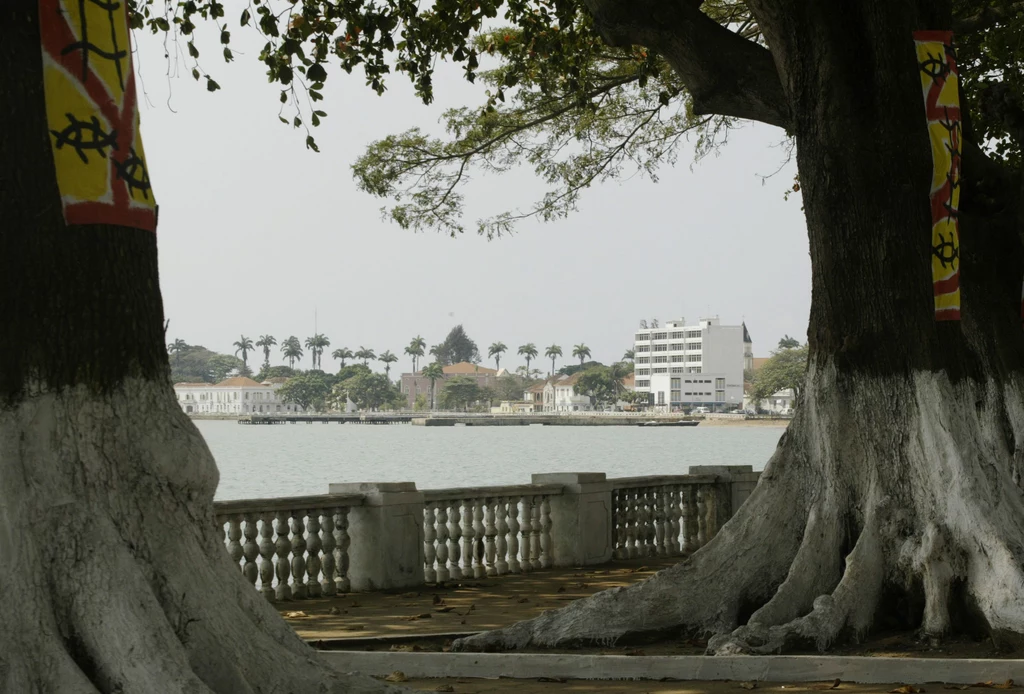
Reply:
x=117 y=579
x=898 y=481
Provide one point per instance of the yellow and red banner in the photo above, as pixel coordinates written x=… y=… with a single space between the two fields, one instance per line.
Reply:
x=940 y=83
x=92 y=113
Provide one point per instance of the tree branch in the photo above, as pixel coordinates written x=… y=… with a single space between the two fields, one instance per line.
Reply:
x=724 y=73
x=987 y=18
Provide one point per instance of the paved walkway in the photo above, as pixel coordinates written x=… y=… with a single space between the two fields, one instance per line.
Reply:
x=509 y=686
x=463 y=606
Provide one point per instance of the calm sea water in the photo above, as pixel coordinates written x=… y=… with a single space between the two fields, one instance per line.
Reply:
x=294 y=459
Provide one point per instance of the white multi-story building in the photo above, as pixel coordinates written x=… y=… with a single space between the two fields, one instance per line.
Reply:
x=237 y=395
x=684 y=366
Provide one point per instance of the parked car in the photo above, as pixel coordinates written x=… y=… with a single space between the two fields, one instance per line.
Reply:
x=786 y=411
x=701 y=410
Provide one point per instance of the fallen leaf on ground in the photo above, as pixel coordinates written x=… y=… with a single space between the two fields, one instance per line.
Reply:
x=334 y=610
x=638 y=569
x=438 y=600
x=1008 y=684
x=396 y=676
x=444 y=688
x=406 y=647
x=561 y=589
x=959 y=687
x=355 y=604
x=446 y=608
x=522 y=600
x=552 y=679
x=834 y=684
x=410 y=595
x=295 y=615
x=906 y=689
x=748 y=685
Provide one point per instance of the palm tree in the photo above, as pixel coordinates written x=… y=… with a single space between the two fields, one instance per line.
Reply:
x=322 y=343
x=266 y=342
x=552 y=352
x=342 y=354
x=628 y=355
x=177 y=347
x=387 y=358
x=292 y=350
x=581 y=351
x=415 y=350
x=365 y=354
x=434 y=372
x=529 y=350
x=243 y=345
x=495 y=351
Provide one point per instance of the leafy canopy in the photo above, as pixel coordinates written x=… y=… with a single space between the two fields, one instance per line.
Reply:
x=558 y=98
x=785 y=369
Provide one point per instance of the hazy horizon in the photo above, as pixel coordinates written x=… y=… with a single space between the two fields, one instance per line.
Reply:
x=257 y=234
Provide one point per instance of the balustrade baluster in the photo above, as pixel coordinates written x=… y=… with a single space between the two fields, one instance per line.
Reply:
x=643 y=523
x=631 y=517
x=618 y=524
x=500 y=531
x=545 y=533
x=429 y=535
x=660 y=524
x=527 y=531
x=341 y=545
x=490 y=531
x=535 y=529
x=478 y=538
x=702 y=519
x=327 y=585
x=442 y=542
x=672 y=500
x=250 y=550
x=687 y=520
x=282 y=547
x=313 y=546
x=234 y=535
x=454 y=536
x=468 y=536
x=711 y=499
x=299 y=591
x=513 y=535
x=267 y=555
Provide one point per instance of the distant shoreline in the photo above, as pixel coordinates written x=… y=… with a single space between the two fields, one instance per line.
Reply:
x=712 y=422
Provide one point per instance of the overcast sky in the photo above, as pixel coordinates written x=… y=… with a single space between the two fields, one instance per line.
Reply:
x=257 y=233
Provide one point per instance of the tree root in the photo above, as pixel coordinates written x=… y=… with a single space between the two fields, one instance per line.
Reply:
x=122 y=581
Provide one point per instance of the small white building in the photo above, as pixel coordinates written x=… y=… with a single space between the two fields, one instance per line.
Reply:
x=779 y=403
x=237 y=395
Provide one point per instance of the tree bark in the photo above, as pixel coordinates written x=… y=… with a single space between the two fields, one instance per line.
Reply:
x=119 y=580
x=899 y=479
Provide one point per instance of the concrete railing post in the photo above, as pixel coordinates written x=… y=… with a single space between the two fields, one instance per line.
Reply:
x=386 y=535
x=581 y=518
x=735 y=483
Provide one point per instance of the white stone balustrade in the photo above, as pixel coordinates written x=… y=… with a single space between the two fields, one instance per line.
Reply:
x=503 y=530
x=302 y=546
x=379 y=536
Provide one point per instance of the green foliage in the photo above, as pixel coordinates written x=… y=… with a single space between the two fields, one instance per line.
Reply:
x=457 y=347
x=496 y=350
x=421 y=403
x=365 y=354
x=371 y=391
x=309 y=391
x=510 y=387
x=291 y=348
x=351 y=371
x=342 y=354
x=387 y=359
x=316 y=346
x=266 y=342
x=787 y=342
x=570 y=369
x=415 y=350
x=581 y=352
x=558 y=99
x=628 y=355
x=785 y=369
x=459 y=392
x=529 y=350
x=196 y=364
x=599 y=384
x=551 y=353
x=435 y=372
x=244 y=345
x=268 y=372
